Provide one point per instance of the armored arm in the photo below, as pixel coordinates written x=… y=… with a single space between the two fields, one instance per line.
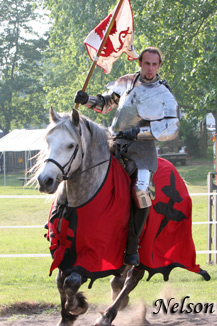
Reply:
x=100 y=103
x=162 y=130
x=103 y=103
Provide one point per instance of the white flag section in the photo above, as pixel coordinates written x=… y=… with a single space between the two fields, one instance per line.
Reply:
x=120 y=38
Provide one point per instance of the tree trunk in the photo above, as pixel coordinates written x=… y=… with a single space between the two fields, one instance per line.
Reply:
x=203 y=138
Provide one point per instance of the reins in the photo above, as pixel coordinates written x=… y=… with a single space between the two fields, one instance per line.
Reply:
x=97 y=164
x=65 y=177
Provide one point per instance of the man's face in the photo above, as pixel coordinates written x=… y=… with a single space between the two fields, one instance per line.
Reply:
x=150 y=65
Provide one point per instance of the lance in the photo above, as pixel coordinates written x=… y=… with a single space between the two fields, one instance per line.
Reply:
x=100 y=48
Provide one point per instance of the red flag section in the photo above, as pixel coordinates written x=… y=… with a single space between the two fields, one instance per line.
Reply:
x=120 y=38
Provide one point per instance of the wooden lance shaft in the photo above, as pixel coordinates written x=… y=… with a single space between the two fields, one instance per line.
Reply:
x=100 y=48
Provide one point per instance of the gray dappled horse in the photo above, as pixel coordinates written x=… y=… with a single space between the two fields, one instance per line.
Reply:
x=76 y=144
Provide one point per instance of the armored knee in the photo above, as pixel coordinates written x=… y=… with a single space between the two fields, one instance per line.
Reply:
x=143 y=189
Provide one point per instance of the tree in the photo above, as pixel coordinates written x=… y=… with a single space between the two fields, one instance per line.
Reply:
x=21 y=73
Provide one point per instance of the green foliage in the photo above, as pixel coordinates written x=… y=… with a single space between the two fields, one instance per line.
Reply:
x=188 y=133
x=21 y=73
x=67 y=66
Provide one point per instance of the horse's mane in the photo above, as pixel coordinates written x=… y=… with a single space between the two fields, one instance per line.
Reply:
x=98 y=132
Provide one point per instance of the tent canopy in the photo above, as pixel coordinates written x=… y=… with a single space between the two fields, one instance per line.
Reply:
x=22 y=140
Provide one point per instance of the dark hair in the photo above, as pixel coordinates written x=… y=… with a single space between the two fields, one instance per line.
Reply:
x=152 y=49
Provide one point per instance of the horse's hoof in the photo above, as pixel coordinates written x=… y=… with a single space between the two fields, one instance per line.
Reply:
x=77 y=311
x=102 y=321
x=79 y=308
x=67 y=320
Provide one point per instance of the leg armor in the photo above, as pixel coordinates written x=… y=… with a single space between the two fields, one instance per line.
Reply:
x=143 y=190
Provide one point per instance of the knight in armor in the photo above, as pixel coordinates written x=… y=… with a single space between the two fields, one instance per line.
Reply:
x=147 y=111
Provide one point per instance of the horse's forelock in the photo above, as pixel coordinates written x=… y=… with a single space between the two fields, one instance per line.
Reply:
x=63 y=123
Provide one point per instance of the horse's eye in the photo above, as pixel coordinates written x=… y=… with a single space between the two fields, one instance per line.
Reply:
x=70 y=146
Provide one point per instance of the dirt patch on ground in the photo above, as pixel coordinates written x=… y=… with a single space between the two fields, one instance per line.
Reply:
x=26 y=308
x=199 y=162
x=139 y=315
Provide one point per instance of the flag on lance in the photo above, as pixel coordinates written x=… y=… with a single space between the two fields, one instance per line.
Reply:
x=120 y=38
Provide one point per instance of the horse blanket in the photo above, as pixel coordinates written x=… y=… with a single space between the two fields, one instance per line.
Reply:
x=92 y=238
x=167 y=240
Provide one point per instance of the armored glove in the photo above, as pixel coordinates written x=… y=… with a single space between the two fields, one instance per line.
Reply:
x=81 y=97
x=129 y=134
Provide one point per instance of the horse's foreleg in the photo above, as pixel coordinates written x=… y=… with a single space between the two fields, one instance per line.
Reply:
x=133 y=277
x=66 y=318
x=76 y=303
x=117 y=283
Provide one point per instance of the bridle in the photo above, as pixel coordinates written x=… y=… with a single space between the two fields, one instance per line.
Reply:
x=70 y=161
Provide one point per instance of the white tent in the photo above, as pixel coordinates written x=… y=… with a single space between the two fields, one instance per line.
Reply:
x=21 y=140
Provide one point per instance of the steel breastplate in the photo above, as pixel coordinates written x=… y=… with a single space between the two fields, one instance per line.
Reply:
x=144 y=102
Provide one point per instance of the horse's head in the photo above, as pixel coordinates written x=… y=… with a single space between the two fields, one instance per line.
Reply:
x=63 y=154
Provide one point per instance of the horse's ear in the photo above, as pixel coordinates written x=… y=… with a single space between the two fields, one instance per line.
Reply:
x=75 y=117
x=53 y=115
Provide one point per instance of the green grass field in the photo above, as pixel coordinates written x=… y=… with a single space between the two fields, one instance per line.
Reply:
x=27 y=279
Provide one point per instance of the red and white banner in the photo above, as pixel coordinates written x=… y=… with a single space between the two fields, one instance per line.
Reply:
x=120 y=38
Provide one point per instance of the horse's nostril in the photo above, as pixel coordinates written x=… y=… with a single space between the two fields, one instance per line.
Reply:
x=49 y=182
